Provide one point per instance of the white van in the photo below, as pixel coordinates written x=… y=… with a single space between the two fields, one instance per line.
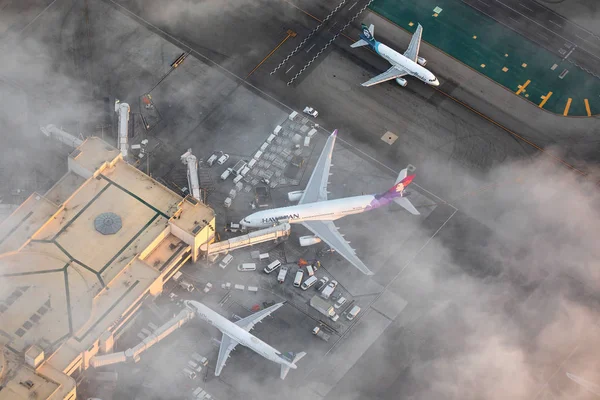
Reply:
x=211 y=160
x=353 y=313
x=246 y=267
x=263 y=256
x=238 y=178
x=298 y=278
x=309 y=282
x=226 y=174
x=282 y=274
x=225 y=261
x=272 y=267
x=310 y=271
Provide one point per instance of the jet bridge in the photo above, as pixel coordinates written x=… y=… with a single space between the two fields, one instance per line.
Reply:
x=133 y=354
x=192 y=173
x=260 y=236
x=60 y=135
x=122 y=109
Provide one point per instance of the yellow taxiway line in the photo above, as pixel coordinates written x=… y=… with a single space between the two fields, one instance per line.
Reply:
x=546 y=97
x=289 y=35
x=566 y=112
x=587 y=107
x=523 y=86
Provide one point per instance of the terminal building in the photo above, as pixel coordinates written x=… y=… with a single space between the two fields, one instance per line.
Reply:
x=77 y=262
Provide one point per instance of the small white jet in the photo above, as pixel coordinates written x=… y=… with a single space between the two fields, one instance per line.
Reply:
x=407 y=64
x=316 y=212
x=238 y=332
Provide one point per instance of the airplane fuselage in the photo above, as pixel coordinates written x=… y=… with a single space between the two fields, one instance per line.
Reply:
x=237 y=333
x=328 y=210
x=397 y=59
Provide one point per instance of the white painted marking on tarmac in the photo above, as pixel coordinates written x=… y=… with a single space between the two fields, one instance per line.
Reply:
x=555 y=23
x=310 y=48
x=524 y=6
x=37 y=16
x=289 y=69
x=352 y=6
x=513 y=19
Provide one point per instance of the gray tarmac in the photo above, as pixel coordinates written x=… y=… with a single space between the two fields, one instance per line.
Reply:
x=451 y=288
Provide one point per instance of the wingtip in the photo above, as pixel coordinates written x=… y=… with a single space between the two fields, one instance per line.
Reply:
x=334 y=134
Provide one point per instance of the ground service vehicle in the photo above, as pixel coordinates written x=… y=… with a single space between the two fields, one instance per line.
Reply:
x=226 y=174
x=322 y=282
x=298 y=278
x=246 y=267
x=272 y=266
x=311 y=111
x=233 y=227
x=282 y=274
x=353 y=313
x=211 y=160
x=318 y=332
x=310 y=270
x=309 y=282
x=341 y=301
x=322 y=306
x=225 y=261
x=329 y=289
x=223 y=159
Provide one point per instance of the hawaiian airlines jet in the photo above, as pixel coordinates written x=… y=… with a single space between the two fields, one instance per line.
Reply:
x=238 y=332
x=316 y=212
x=408 y=63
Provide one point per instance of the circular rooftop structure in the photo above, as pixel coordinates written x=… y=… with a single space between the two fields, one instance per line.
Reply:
x=108 y=223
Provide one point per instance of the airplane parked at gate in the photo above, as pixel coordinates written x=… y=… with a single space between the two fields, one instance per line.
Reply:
x=316 y=212
x=408 y=63
x=238 y=332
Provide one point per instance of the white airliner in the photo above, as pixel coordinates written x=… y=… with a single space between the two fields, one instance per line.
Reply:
x=238 y=332
x=408 y=64
x=316 y=213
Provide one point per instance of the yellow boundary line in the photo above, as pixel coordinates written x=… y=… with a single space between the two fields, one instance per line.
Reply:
x=566 y=112
x=587 y=107
x=289 y=35
x=546 y=97
x=523 y=86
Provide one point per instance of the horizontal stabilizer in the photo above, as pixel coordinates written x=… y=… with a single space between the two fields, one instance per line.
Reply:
x=404 y=202
x=359 y=43
x=285 y=369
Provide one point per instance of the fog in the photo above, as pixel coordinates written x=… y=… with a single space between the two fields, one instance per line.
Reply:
x=501 y=311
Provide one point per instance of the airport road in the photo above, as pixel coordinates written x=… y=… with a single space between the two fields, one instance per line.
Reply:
x=546 y=28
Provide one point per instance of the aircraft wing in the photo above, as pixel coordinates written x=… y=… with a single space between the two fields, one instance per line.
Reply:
x=227 y=346
x=328 y=232
x=249 y=322
x=392 y=73
x=415 y=43
x=316 y=189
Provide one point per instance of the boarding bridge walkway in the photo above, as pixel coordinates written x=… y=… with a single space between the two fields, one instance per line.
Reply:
x=252 y=238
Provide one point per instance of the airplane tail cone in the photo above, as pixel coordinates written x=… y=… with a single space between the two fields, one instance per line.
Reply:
x=286 y=368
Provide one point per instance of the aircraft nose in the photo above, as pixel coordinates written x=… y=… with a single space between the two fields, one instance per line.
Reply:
x=436 y=83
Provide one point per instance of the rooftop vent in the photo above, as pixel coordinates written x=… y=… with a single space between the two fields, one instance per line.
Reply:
x=108 y=223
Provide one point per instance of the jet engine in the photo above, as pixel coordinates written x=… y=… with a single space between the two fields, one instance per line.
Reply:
x=401 y=82
x=422 y=62
x=295 y=196
x=309 y=240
